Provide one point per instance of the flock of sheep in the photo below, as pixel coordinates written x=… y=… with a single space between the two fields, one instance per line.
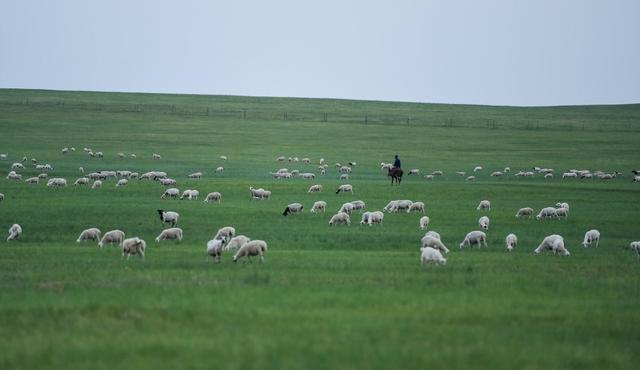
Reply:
x=226 y=239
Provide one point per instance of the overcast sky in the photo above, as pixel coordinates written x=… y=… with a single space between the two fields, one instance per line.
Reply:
x=498 y=52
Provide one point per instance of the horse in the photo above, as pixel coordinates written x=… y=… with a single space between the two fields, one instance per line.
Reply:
x=396 y=174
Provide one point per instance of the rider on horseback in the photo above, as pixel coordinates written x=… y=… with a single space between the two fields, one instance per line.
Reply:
x=396 y=162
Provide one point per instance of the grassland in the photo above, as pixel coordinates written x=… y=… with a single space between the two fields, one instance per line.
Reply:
x=327 y=298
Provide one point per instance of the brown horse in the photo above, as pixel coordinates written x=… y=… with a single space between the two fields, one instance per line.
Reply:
x=396 y=174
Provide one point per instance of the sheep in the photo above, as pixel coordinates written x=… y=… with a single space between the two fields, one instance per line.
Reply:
x=461 y=173
x=371 y=218
x=346 y=208
x=81 y=181
x=215 y=247
x=89 y=234
x=345 y=188
x=437 y=173
x=15 y=232
x=414 y=171
x=433 y=234
x=227 y=232
x=1 y=197
x=397 y=205
x=484 y=205
x=172 y=233
x=259 y=193
x=636 y=178
x=307 y=175
x=134 y=175
x=507 y=170
x=340 y=218
x=315 y=189
x=562 y=205
x=168 y=217
x=126 y=174
x=562 y=212
x=190 y=194
x=554 y=243
x=319 y=206
x=96 y=184
x=56 y=182
x=133 y=246
x=156 y=156
x=3 y=156
x=428 y=177
x=220 y=169
x=196 y=175
x=252 y=248
x=99 y=155
x=474 y=237
x=569 y=175
x=113 y=236
x=344 y=176
x=280 y=159
x=496 y=174
x=345 y=169
x=511 y=241
x=424 y=222
x=14 y=176
x=43 y=176
x=171 y=193
x=132 y=155
x=213 y=197
x=65 y=150
x=525 y=212
x=293 y=208
x=432 y=242
x=223 y=157
x=636 y=247
x=122 y=182
x=236 y=242
x=591 y=236
x=548 y=175
x=32 y=180
x=17 y=166
x=547 y=212
x=484 y=222
x=477 y=168
x=167 y=182
x=358 y=205
x=120 y=155
x=431 y=255
x=416 y=206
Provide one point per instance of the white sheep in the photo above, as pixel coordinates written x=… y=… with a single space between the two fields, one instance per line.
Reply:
x=133 y=246
x=567 y=175
x=156 y=156
x=227 y=231
x=96 y=184
x=293 y=208
x=236 y=242
x=171 y=233
x=57 y=182
x=220 y=169
x=424 y=222
x=562 y=205
x=170 y=193
x=507 y=169
x=280 y=159
x=590 y=237
x=477 y=168
x=344 y=176
x=213 y=197
x=315 y=188
x=259 y=193
x=484 y=205
x=371 y=218
x=636 y=247
x=190 y=194
x=345 y=188
x=483 y=222
x=428 y=177
x=431 y=242
x=414 y=171
x=340 y=218
x=511 y=241
x=196 y=175
x=122 y=182
x=554 y=243
x=15 y=232
x=562 y=212
x=319 y=206
x=433 y=234
x=167 y=182
x=223 y=157
x=461 y=173
x=1 y=197
x=547 y=212
x=416 y=206
x=113 y=236
x=14 y=176
x=32 y=180
x=215 y=247
x=525 y=212
x=345 y=169
x=17 y=166
x=358 y=205
x=89 y=234
x=43 y=176
x=3 y=156
x=474 y=237
x=437 y=173
x=81 y=181
x=346 y=208
x=429 y=254
x=250 y=249
x=496 y=174
x=168 y=217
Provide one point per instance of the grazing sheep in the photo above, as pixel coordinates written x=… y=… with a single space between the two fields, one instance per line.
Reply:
x=172 y=233
x=507 y=170
x=397 y=205
x=190 y=194
x=562 y=205
x=477 y=168
x=315 y=188
x=345 y=169
x=3 y=157
x=433 y=234
x=319 y=206
x=293 y=208
x=213 y=197
x=122 y=182
x=156 y=156
x=432 y=242
x=346 y=208
x=511 y=241
x=484 y=205
x=56 y=182
x=280 y=159
x=636 y=247
x=340 y=218
x=113 y=236
x=474 y=237
x=1 y=197
x=215 y=247
x=428 y=177
x=424 y=222
x=484 y=222
x=196 y=175
x=569 y=175
x=171 y=193
x=228 y=232
x=32 y=180
x=133 y=246
x=547 y=212
x=414 y=171
x=431 y=255
x=96 y=184
x=548 y=175
x=167 y=182
x=525 y=212
x=358 y=205
x=250 y=249
x=89 y=234
x=43 y=176
x=416 y=206
x=554 y=243
x=461 y=173
x=220 y=169
x=120 y=155
x=15 y=232
x=223 y=157
x=99 y=154
x=344 y=176
x=496 y=174
x=168 y=217
x=345 y=188
x=14 y=176
x=236 y=242
x=562 y=212
x=81 y=181
x=590 y=237
x=371 y=218
x=17 y=166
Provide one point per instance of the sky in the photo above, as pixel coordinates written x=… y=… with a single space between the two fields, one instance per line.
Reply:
x=494 y=52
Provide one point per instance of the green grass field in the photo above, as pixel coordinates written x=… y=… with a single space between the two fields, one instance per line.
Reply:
x=327 y=298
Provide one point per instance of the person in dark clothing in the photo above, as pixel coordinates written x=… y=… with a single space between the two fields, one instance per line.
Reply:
x=396 y=162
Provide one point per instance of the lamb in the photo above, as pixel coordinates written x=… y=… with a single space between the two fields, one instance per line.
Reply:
x=120 y=155
x=484 y=205
x=122 y=182
x=484 y=222
x=293 y=208
x=547 y=212
x=133 y=246
x=89 y=234
x=474 y=237
x=172 y=233
x=591 y=236
x=96 y=184
x=554 y=243
x=431 y=255
x=215 y=247
x=168 y=217
x=525 y=212
x=358 y=205
x=15 y=232
x=56 y=182
x=32 y=180
x=548 y=175
x=319 y=206
x=511 y=241
x=315 y=189
x=345 y=188
x=228 y=232
x=461 y=173
x=113 y=236
x=213 y=197
x=252 y=248
x=99 y=154
x=81 y=181
x=431 y=242
x=424 y=222
x=236 y=242
x=3 y=156
x=416 y=206
x=346 y=208
x=171 y=193
x=371 y=218
x=340 y=218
